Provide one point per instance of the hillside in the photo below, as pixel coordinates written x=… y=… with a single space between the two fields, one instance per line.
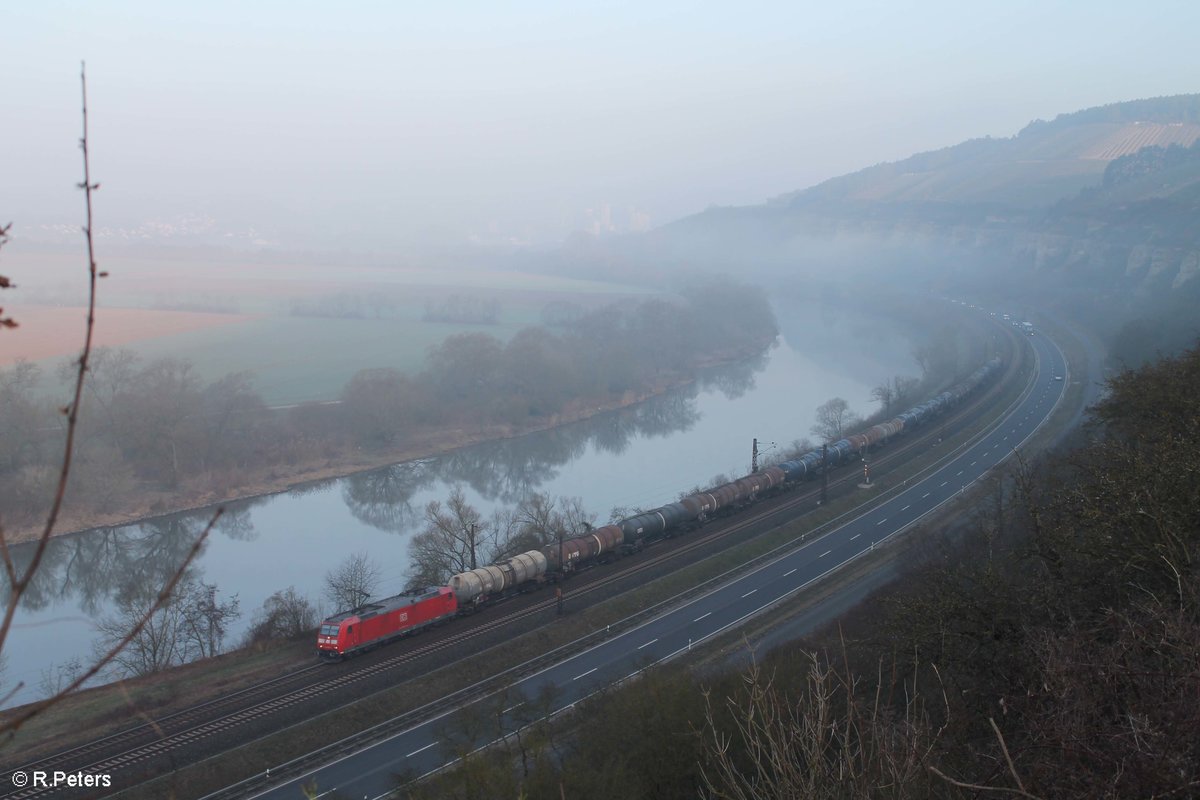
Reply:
x=1044 y=163
x=1096 y=208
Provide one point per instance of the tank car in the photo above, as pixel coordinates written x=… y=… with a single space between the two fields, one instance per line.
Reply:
x=699 y=505
x=495 y=580
x=647 y=525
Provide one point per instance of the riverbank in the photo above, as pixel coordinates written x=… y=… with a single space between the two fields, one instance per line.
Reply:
x=339 y=461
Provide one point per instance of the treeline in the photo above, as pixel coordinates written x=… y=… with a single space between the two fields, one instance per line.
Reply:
x=373 y=305
x=1168 y=109
x=156 y=427
x=458 y=308
x=150 y=424
x=1150 y=161
x=1048 y=648
x=477 y=379
x=465 y=309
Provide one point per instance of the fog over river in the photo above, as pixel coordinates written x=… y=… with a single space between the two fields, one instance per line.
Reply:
x=642 y=456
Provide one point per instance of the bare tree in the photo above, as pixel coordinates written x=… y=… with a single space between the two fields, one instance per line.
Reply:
x=287 y=614
x=189 y=624
x=904 y=389
x=110 y=373
x=939 y=357
x=899 y=391
x=542 y=519
x=456 y=538
x=5 y=283
x=834 y=418
x=884 y=394
x=160 y=642
x=56 y=677
x=205 y=620
x=618 y=513
x=381 y=404
x=349 y=584
x=26 y=485
x=19 y=580
x=166 y=407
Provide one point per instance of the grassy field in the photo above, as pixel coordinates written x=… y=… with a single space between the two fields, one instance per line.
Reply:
x=298 y=358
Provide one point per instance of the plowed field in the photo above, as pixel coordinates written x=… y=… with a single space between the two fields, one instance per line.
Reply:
x=46 y=332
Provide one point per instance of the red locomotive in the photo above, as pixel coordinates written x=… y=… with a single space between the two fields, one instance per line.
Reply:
x=373 y=624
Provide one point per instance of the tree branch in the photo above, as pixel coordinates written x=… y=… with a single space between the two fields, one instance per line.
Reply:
x=19 y=583
x=11 y=724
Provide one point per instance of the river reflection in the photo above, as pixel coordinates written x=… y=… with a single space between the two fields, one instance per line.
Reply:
x=508 y=470
x=638 y=456
x=90 y=569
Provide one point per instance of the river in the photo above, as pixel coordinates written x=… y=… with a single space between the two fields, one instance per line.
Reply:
x=641 y=456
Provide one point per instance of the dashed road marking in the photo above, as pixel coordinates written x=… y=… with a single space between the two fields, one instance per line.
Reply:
x=584 y=675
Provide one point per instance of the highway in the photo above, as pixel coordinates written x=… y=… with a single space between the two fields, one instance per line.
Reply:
x=369 y=773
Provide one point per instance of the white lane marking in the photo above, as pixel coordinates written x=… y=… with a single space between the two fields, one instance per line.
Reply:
x=747 y=594
x=789 y=572
x=422 y=750
x=855 y=536
x=906 y=508
x=943 y=483
x=827 y=552
x=960 y=472
x=584 y=675
x=510 y=708
x=877 y=524
x=702 y=616
x=973 y=463
x=925 y=495
x=647 y=644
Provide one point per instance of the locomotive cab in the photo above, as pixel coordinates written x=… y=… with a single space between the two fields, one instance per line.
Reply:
x=335 y=637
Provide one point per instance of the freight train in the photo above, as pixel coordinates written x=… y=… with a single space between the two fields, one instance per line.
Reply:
x=378 y=622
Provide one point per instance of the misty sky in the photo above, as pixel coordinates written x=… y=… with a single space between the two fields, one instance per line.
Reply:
x=381 y=126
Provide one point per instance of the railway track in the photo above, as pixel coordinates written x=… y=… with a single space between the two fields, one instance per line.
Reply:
x=126 y=750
